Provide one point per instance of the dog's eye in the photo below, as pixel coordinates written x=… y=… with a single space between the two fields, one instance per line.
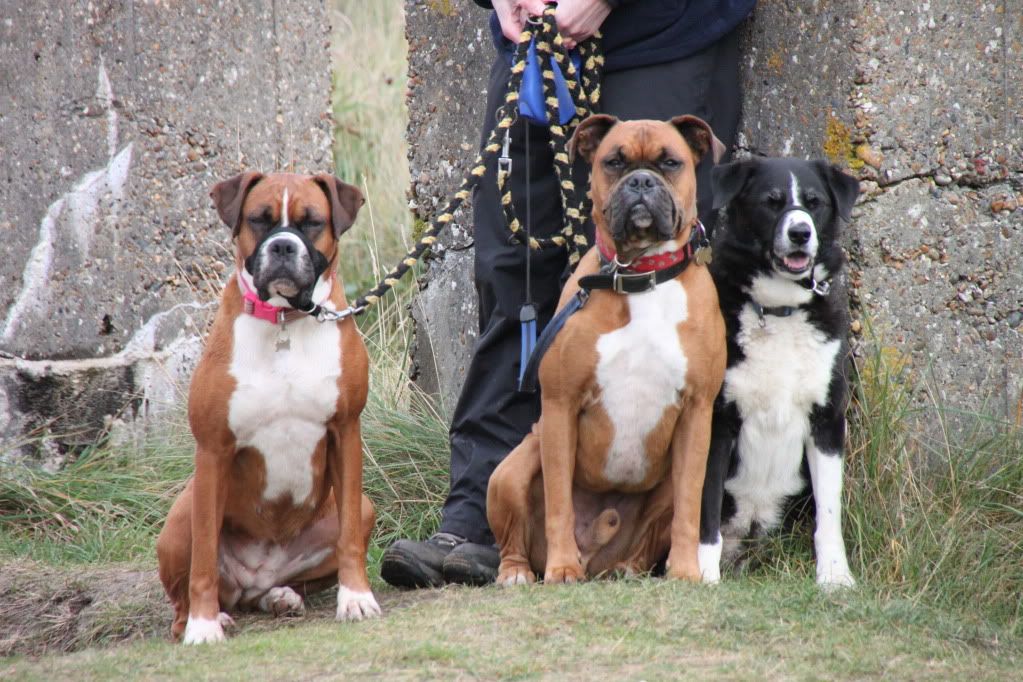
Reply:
x=260 y=222
x=614 y=163
x=812 y=201
x=774 y=199
x=312 y=226
x=671 y=164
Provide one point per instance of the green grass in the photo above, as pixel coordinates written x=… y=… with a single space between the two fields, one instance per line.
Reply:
x=933 y=519
x=636 y=629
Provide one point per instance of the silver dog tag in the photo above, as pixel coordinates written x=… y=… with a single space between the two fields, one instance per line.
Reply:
x=283 y=341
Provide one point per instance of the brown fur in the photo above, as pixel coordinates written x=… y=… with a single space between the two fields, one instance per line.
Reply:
x=549 y=503
x=223 y=500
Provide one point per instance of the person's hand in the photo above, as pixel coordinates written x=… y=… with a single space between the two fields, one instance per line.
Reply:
x=580 y=19
x=513 y=15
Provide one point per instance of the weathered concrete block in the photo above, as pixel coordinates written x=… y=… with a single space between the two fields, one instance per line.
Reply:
x=116 y=120
x=923 y=102
x=450 y=53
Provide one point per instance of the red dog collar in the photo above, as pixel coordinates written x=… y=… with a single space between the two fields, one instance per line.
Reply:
x=270 y=313
x=658 y=261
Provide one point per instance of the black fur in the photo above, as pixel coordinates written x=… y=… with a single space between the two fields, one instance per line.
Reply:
x=756 y=193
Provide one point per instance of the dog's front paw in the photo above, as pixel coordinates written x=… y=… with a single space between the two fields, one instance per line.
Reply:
x=830 y=581
x=206 y=630
x=282 y=601
x=567 y=574
x=352 y=605
x=833 y=569
x=515 y=574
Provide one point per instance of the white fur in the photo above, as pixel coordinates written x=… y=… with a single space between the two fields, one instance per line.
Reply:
x=826 y=475
x=352 y=605
x=785 y=372
x=285 y=220
x=641 y=369
x=283 y=399
x=281 y=601
x=709 y=557
x=206 y=630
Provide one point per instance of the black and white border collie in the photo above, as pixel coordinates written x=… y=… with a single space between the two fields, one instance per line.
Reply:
x=781 y=410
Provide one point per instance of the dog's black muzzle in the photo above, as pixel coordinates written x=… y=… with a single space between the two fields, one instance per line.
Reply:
x=287 y=262
x=642 y=207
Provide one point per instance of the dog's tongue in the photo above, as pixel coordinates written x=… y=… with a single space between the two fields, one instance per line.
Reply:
x=796 y=261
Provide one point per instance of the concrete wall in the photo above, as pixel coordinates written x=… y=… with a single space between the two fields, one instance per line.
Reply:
x=116 y=118
x=921 y=100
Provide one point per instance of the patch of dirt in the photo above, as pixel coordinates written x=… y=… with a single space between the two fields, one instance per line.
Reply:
x=47 y=609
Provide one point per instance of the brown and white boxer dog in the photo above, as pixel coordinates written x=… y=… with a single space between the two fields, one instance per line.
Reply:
x=611 y=476
x=275 y=509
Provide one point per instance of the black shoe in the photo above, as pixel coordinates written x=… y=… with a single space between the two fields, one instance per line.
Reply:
x=471 y=564
x=411 y=564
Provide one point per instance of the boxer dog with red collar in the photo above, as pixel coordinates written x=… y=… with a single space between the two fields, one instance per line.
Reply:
x=611 y=476
x=275 y=509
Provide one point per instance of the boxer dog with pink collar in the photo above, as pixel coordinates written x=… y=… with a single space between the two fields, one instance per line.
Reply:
x=275 y=509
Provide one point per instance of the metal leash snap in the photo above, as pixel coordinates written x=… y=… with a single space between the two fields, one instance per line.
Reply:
x=504 y=162
x=820 y=288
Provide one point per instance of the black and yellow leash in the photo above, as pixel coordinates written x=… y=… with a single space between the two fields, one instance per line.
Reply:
x=585 y=90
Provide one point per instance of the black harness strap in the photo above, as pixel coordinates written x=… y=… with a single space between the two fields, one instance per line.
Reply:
x=530 y=373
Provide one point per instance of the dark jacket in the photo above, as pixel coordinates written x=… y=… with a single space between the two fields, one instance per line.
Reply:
x=646 y=32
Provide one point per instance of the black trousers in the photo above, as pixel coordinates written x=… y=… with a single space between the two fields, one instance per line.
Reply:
x=491 y=416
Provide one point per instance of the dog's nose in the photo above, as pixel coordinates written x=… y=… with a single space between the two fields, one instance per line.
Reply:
x=641 y=182
x=283 y=247
x=800 y=234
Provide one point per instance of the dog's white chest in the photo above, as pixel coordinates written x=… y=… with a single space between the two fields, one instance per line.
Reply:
x=785 y=373
x=283 y=399
x=641 y=369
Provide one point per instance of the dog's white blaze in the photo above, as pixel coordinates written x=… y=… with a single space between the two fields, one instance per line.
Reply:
x=284 y=209
x=793 y=190
x=203 y=631
x=829 y=546
x=709 y=558
x=641 y=369
x=283 y=399
x=353 y=605
x=799 y=216
x=785 y=372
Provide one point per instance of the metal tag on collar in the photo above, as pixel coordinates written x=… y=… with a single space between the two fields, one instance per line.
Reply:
x=504 y=162
x=283 y=341
x=618 y=281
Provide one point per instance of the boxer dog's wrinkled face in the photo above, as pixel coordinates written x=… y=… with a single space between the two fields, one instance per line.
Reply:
x=643 y=179
x=786 y=210
x=286 y=228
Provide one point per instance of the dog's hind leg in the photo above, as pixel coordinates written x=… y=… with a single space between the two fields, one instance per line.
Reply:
x=174 y=552
x=509 y=513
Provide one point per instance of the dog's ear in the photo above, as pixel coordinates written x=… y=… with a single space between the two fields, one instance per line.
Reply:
x=844 y=188
x=699 y=136
x=727 y=181
x=229 y=195
x=345 y=201
x=588 y=135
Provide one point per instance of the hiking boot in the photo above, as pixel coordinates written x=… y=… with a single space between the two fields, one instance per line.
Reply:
x=412 y=564
x=471 y=564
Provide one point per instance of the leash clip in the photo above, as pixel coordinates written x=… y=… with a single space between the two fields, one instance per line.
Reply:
x=326 y=315
x=820 y=288
x=504 y=162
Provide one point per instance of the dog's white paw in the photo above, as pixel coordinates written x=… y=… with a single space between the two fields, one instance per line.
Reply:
x=207 y=630
x=834 y=573
x=282 y=601
x=709 y=558
x=353 y=605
